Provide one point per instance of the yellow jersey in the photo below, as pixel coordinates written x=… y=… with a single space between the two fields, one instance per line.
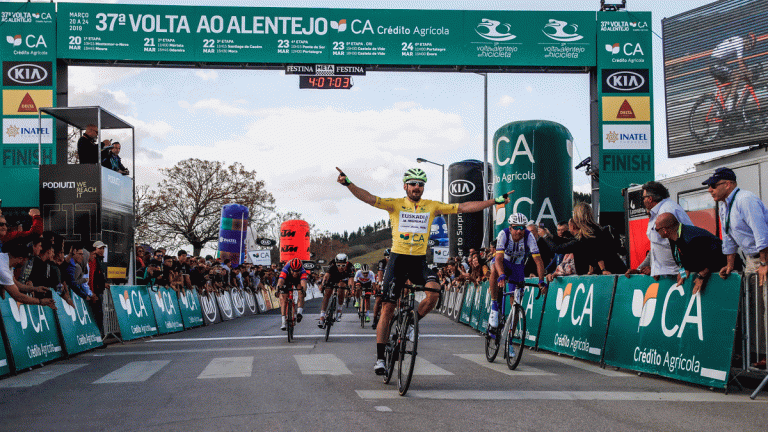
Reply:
x=411 y=222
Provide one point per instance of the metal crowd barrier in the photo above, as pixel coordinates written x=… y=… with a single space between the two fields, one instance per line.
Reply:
x=755 y=328
x=111 y=326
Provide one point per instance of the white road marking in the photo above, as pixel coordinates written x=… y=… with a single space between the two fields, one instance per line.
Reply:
x=587 y=367
x=559 y=395
x=424 y=367
x=383 y=409
x=315 y=336
x=187 y=351
x=228 y=367
x=321 y=364
x=137 y=371
x=500 y=365
x=39 y=376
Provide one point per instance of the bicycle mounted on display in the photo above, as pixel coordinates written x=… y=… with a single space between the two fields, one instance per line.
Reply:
x=511 y=328
x=330 y=312
x=401 y=348
x=710 y=118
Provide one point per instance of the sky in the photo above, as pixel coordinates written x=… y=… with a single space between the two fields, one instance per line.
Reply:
x=295 y=138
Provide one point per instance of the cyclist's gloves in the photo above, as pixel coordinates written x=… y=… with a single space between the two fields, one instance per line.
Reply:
x=543 y=284
x=500 y=199
x=501 y=278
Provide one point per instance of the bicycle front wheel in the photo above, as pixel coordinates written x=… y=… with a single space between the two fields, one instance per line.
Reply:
x=392 y=350
x=330 y=316
x=705 y=119
x=493 y=341
x=289 y=319
x=753 y=114
x=410 y=341
x=515 y=338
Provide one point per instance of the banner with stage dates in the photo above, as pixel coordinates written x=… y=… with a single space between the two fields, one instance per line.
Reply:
x=32 y=331
x=660 y=328
x=576 y=316
x=134 y=311
x=79 y=332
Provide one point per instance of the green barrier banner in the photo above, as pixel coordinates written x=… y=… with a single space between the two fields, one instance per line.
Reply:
x=166 y=308
x=32 y=332
x=474 y=320
x=134 y=311
x=466 y=306
x=659 y=328
x=485 y=308
x=4 y=367
x=189 y=306
x=576 y=316
x=79 y=332
x=532 y=308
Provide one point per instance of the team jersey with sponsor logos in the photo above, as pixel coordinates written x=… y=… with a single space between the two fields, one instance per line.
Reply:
x=516 y=251
x=365 y=278
x=290 y=279
x=411 y=222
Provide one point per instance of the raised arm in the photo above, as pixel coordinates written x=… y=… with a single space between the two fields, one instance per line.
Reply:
x=476 y=206
x=359 y=193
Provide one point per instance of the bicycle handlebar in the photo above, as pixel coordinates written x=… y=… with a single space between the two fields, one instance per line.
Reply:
x=421 y=288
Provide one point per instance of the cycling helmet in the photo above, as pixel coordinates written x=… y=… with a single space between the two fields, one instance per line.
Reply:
x=295 y=264
x=357 y=266
x=387 y=252
x=415 y=174
x=364 y=268
x=517 y=219
x=341 y=258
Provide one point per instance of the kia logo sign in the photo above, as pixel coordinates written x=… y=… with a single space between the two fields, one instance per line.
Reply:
x=309 y=265
x=460 y=188
x=265 y=242
x=27 y=74
x=625 y=81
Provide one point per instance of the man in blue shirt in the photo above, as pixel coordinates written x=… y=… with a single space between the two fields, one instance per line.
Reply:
x=743 y=224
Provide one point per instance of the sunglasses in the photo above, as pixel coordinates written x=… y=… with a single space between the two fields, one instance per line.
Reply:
x=415 y=183
x=660 y=229
x=517 y=227
x=3 y=224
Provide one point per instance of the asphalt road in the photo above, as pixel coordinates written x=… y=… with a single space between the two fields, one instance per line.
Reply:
x=243 y=375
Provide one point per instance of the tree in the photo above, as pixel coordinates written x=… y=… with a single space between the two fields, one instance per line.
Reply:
x=187 y=205
x=582 y=197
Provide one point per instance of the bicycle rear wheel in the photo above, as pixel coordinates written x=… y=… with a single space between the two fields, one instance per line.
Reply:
x=330 y=316
x=515 y=338
x=705 y=119
x=407 y=352
x=392 y=350
x=289 y=318
x=492 y=343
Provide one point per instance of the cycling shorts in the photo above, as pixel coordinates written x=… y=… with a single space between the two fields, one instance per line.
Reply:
x=366 y=288
x=515 y=272
x=402 y=268
x=291 y=285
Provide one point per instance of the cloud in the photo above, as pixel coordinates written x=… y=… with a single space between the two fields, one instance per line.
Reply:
x=529 y=89
x=211 y=75
x=217 y=106
x=506 y=100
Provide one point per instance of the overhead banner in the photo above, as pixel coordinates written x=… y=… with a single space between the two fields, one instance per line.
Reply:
x=576 y=316
x=189 y=307
x=134 y=311
x=33 y=335
x=660 y=328
x=79 y=332
x=331 y=36
x=166 y=307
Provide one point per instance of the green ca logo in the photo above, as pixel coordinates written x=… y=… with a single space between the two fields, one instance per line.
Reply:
x=132 y=302
x=23 y=315
x=644 y=308
x=563 y=303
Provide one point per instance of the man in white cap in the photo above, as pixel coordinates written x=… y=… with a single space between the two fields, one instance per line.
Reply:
x=98 y=282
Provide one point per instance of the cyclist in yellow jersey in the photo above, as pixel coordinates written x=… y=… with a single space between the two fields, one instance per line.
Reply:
x=411 y=218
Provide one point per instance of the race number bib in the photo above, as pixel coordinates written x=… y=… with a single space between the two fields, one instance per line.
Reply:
x=417 y=223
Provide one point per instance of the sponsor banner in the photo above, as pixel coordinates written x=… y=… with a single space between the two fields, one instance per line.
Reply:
x=16 y=74
x=466 y=304
x=224 y=300
x=166 y=307
x=28 y=34
x=26 y=102
x=485 y=308
x=238 y=301
x=630 y=108
x=210 y=309
x=660 y=328
x=478 y=303
x=134 y=311
x=23 y=156
x=532 y=308
x=576 y=316
x=455 y=303
x=625 y=81
x=260 y=257
x=324 y=69
x=626 y=137
x=5 y=368
x=189 y=307
x=117 y=273
x=27 y=131
x=441 y=254
x=32 y=331
x=251 y=306
x=79 y=332
x=260 y=301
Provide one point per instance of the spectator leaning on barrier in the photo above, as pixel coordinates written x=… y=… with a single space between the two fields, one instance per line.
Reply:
x=15 y=252
x=694 y=249
x=659 y=261
x=743 y=224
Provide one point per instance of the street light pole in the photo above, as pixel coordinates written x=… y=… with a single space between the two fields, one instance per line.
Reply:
x=442 y=170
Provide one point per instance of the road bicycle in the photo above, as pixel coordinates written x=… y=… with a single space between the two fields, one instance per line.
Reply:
x=366 y=295
x=511 y=328
x=290 y=319
x=401 y=347
x=330 y=311
x=710 y=117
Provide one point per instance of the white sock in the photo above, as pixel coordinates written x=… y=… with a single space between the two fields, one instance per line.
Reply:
x=300 y=311
x=283 y=319
x=322 y=314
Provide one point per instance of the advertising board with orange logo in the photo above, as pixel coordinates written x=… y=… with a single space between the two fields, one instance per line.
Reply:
x=626 y=108
x=26 y=102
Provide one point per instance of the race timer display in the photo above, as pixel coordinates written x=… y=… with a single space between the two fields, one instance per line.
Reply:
x=325 y=82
